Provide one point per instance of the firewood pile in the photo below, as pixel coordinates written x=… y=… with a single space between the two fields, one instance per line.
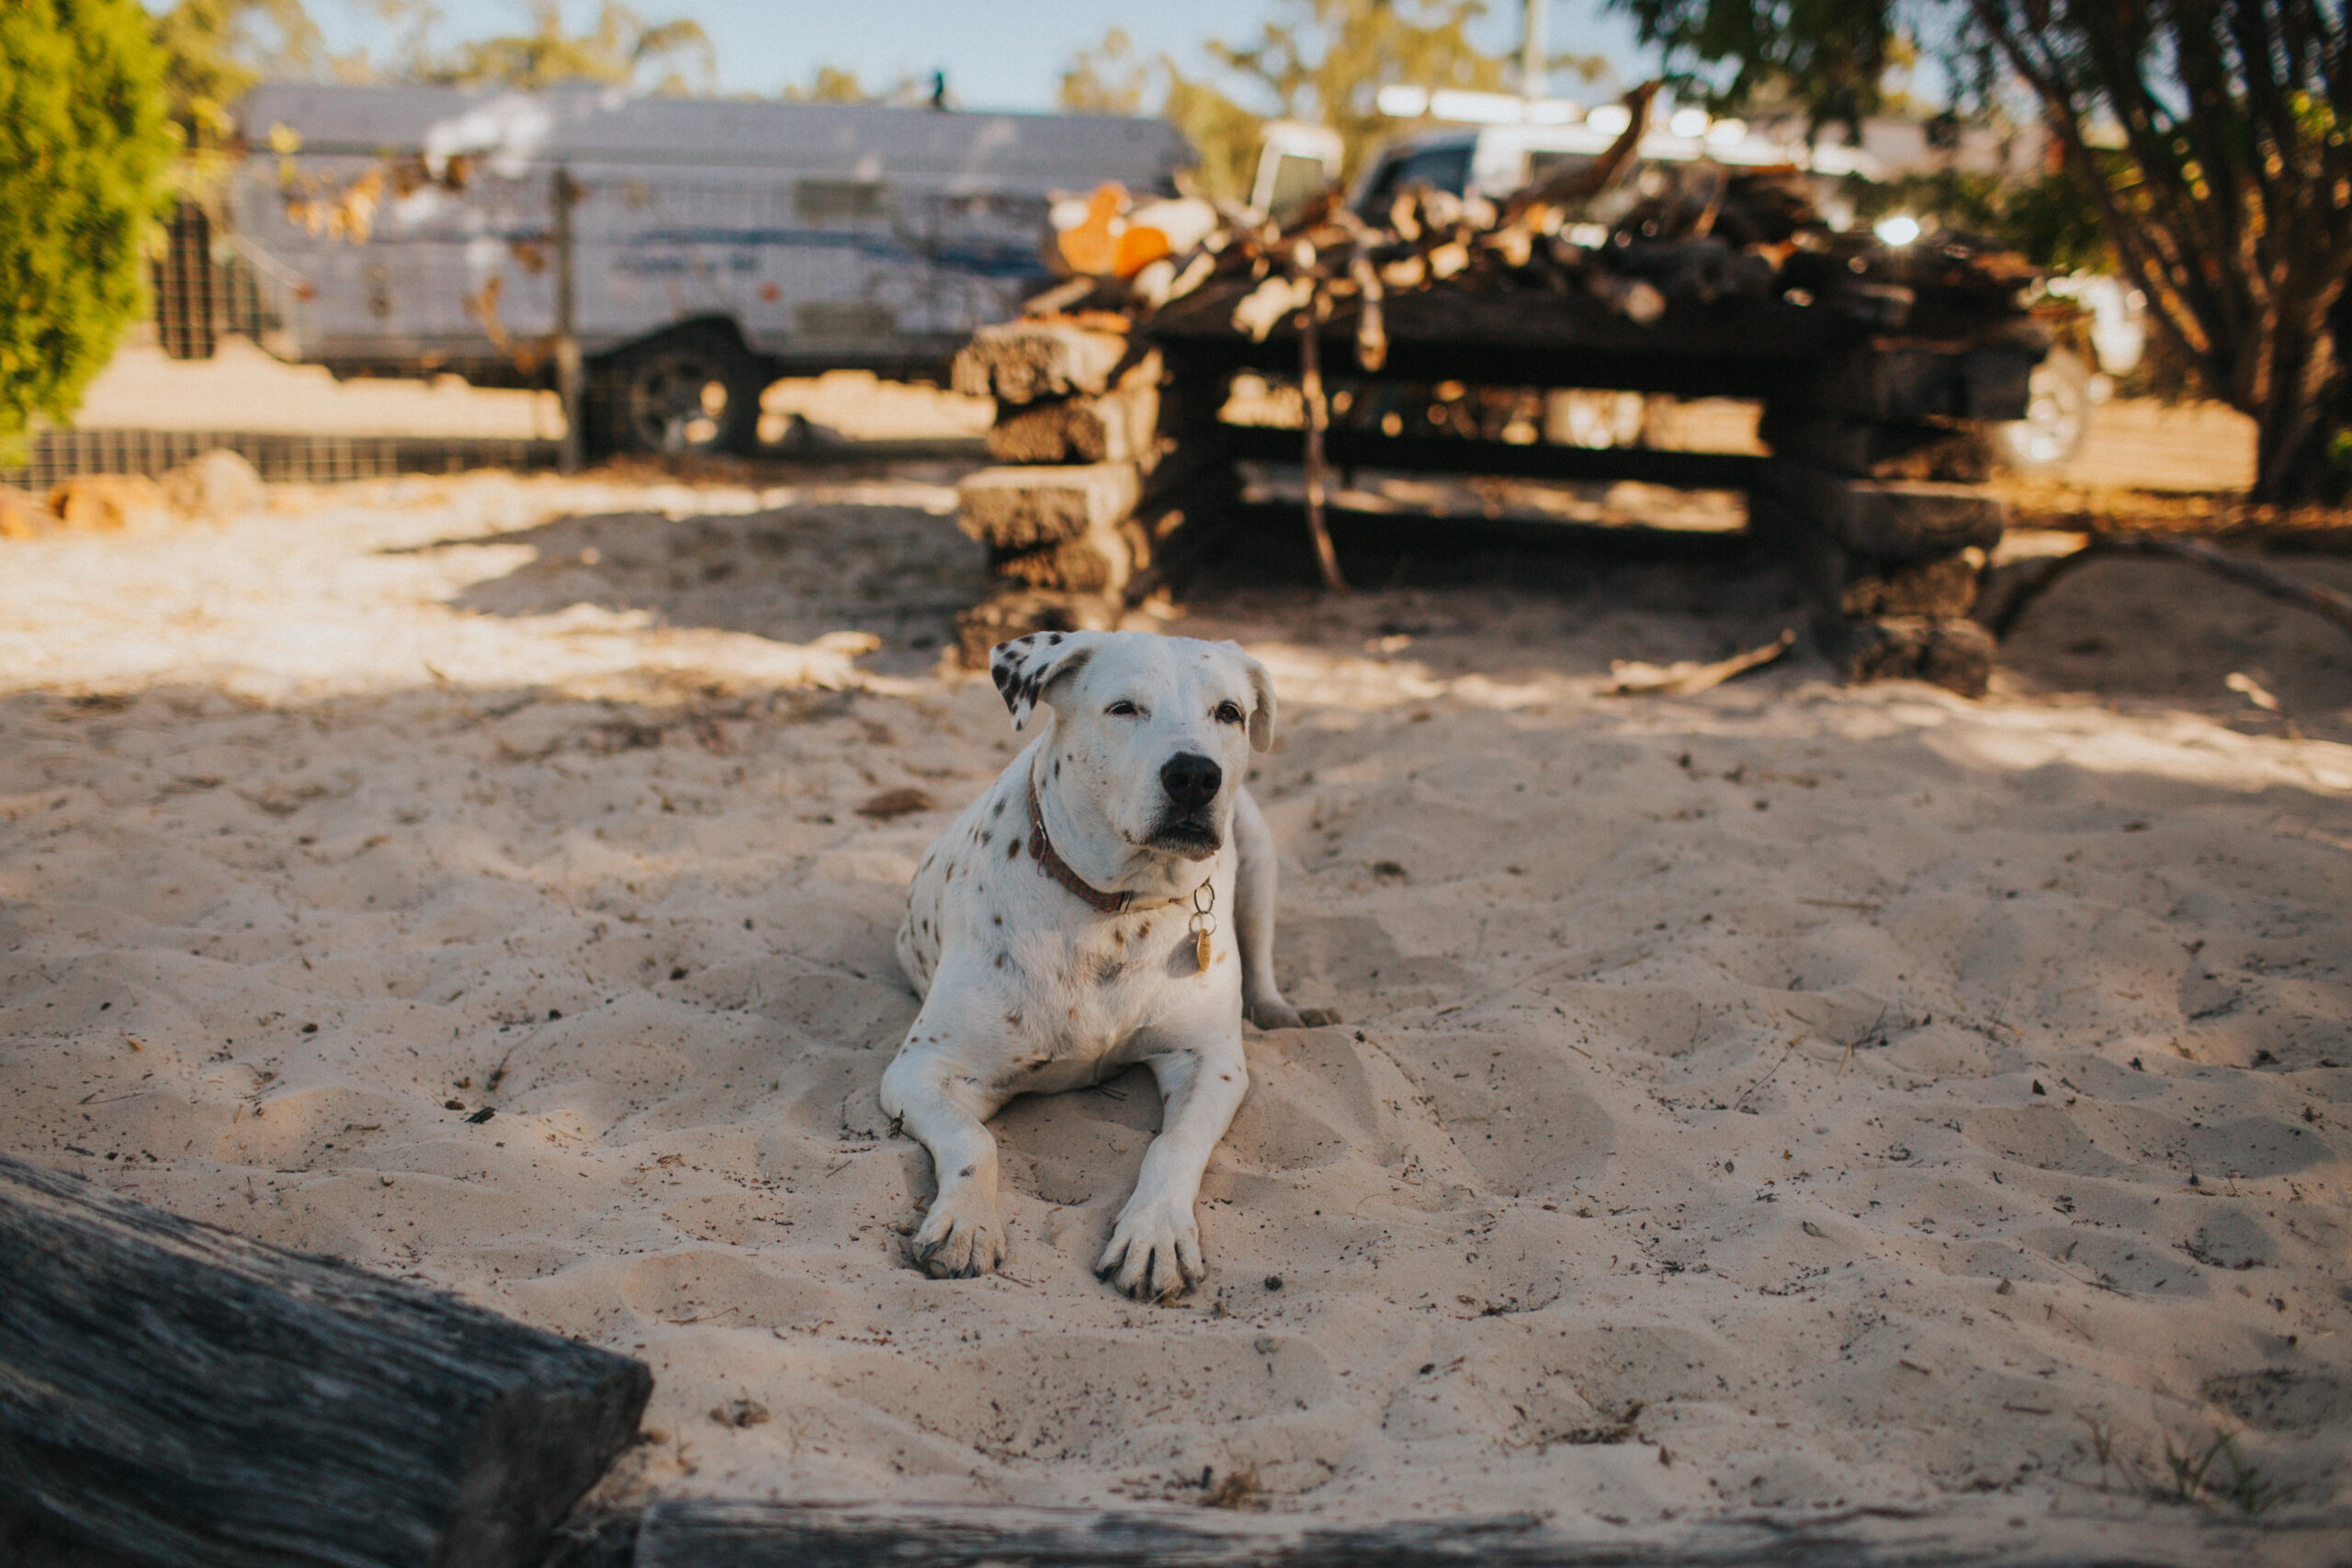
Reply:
x=1883 y=365
x=1102 y=462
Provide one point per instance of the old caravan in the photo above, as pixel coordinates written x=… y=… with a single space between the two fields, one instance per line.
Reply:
x=710 y=245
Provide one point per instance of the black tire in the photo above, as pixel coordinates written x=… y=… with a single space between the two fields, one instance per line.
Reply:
x=695 y=392
x=2057 y=421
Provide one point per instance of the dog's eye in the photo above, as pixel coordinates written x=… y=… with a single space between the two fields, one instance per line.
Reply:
x=1122 y=709
x=1228 y=712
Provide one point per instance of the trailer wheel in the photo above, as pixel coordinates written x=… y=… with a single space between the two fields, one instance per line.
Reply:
x=688 y=392
x=2056 y=422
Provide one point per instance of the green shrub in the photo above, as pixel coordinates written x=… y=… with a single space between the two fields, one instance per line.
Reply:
x=85 y=159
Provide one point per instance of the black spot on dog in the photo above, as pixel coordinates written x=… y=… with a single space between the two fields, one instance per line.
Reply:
x=1012 y=849
x=1107 y=969
x=985 y=837
x=1013 y=1019
x=1000 y=960
x=967 y=1170
x=1053 y=639
x=998 y=809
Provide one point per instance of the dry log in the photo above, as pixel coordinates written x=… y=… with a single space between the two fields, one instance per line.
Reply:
x=1021 y=508
x=1117 y=426
x=702 y=1533
x=1911 y=385
x=1574 y=187
x=1850 y=584
x=1017 y=611
x=109 y=504
x=1018 y=362
x=1185 y=527
x=1630 y=678
x=1954 y=654
x=1943 y=454
x=2325 y=601
x=171 y=1393
x=1102 y=561
x=1884 y=520
x=22 y=517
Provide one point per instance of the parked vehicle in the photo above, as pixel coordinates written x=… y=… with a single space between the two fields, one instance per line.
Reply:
x=711 y=246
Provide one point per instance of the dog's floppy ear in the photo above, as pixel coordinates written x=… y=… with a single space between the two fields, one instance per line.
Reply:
x=1024 y=667
x=1261 y=706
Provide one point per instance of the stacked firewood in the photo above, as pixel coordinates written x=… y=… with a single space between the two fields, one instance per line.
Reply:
x=1876 y=492
x=1098 y=469
x=1876 y=435
x=1637 y=237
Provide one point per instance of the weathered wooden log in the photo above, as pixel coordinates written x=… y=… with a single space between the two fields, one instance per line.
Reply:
x=1952 y=653
x=1102 y=560
x=1850 y=584
x=1913 y=385
x=173 y=1394
x=702 y=1533
x=1886 y=520
x=1184 y=525
x=1944 y=454
x=1117 y=426
x=1018 y=362
x=1017 y=611
x=1021 y=508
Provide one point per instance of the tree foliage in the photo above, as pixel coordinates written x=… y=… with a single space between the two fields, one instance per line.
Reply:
x=217 y=51
x=85 y=148
x=619 y=49
x=828 y=84
x=2213 y=137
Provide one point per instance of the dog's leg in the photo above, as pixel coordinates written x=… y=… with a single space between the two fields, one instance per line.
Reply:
x=1155 y=1251
x=942 y=1106
x=1253 y=924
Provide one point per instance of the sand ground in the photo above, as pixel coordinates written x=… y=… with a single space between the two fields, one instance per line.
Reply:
x=1789 y=1102
x=1777 y=1102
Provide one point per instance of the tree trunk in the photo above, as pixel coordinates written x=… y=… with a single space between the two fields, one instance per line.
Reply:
x=2308 y=406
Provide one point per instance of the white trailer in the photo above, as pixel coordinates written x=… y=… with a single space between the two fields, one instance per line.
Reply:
x=711 y=246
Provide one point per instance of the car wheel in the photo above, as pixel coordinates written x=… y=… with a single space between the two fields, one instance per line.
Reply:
x=691 y=392
x=2057 y=418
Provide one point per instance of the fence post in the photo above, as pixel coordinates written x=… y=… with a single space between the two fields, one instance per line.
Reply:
x=567 y=341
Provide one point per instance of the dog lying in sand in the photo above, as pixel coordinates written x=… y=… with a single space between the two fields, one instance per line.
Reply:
x=1110 y=900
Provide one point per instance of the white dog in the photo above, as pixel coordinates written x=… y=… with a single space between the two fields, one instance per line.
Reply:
x=1110 y=900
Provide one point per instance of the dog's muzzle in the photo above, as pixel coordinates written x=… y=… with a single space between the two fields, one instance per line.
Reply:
x=1191 y=782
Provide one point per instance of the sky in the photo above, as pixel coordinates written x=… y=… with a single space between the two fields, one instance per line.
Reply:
x=997 y=55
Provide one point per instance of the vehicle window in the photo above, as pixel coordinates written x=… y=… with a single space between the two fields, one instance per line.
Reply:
x=1296 y=182
x=1543 y=165
x=1446 y=168
x=833 y=201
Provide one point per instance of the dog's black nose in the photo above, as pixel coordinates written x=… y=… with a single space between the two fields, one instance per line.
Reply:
x=1192 y=780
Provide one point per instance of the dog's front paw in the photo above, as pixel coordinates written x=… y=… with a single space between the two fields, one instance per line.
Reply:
x=1275 y=1013
x=962 y=1238
x=1155 y=1253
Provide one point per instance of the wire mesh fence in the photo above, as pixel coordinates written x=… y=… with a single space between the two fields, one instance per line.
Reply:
x=58 y=455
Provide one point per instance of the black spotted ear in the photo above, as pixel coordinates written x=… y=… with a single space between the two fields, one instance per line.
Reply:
x=1024 y=667
x=1262 y=707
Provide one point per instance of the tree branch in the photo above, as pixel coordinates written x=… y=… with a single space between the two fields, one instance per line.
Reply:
x=2325 y=602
